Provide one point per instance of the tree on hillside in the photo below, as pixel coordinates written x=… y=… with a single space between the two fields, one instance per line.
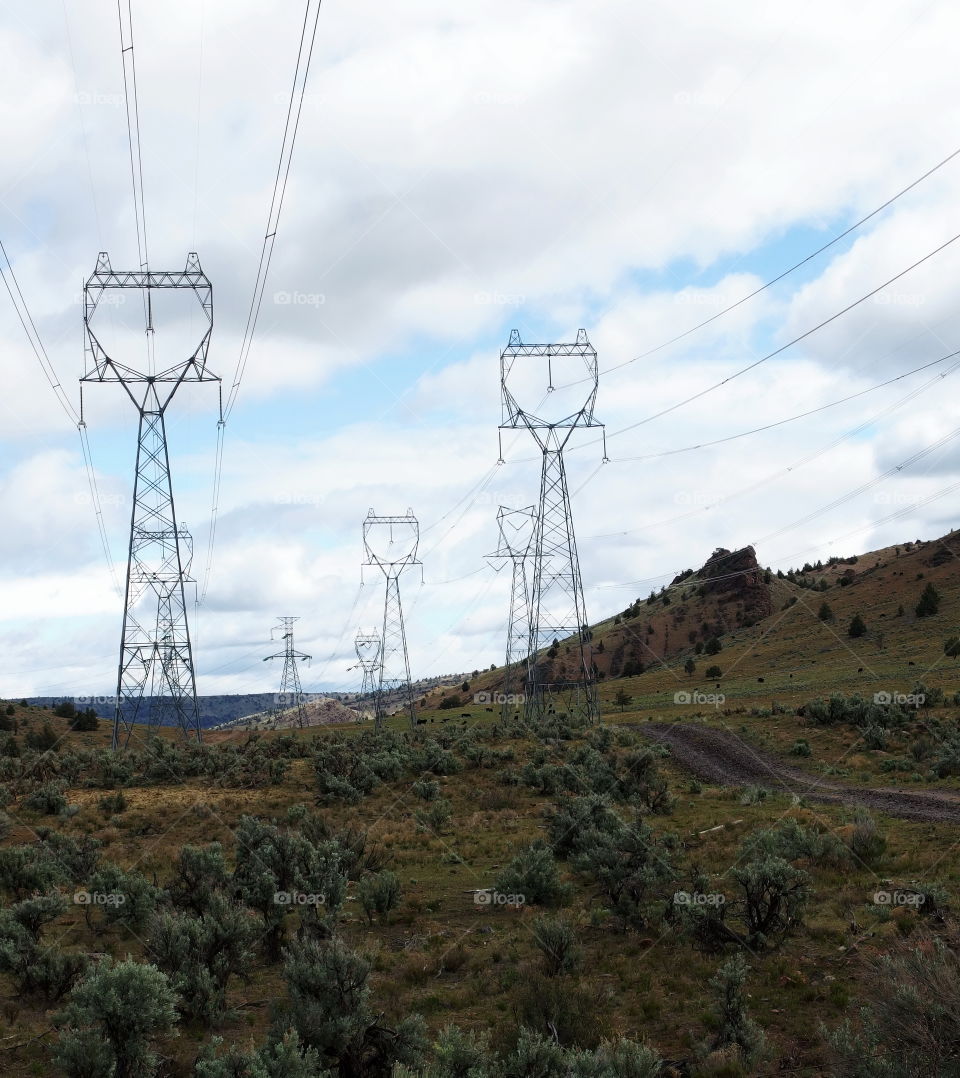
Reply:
x=858 y=627
x=689 y=666
x=951 y=647
x=929 y=602
x=623 y=699
x=825 y=613
x=713 y=672
x=713 y=645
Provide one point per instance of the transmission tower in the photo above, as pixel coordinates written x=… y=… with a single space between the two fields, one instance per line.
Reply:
x=401 y=536
x=156 y=683
x=291 y=693
x=562 y=678
x=516 y=527
x=368 y=654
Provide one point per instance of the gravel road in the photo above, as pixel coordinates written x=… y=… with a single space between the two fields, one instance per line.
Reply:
x=723 y=758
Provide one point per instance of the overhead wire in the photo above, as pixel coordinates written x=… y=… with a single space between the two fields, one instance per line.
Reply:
x=305 y=49
x=777 y=351
x=781 y=472
x=784 y=273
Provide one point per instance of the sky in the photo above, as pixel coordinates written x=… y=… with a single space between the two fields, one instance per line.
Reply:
x=461 y=171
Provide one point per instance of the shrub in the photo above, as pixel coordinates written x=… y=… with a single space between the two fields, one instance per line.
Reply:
x=571 y=822
x=793 y=842
x=774 y=895
x=278 y=1058
x=825 y=613
x=43 y=740
x=436 y=817
x=533 y=873
x=628 y=865
x=565 y=1007
x=857 y=627
x=201 y=954
x=733 y=1026
x=557 y=942
x=137 y=897
x=28 y=869
x=865 y=841
x=460 y=1054
x=112 y=804
x=330 y=1010
x=910 y=1018
x=110 y=1020
x=79 y=857
x=47 y=799
x=379 y=894
x=427 y=789
x=272 y=863
x=36 y=968
x=801 y=748
x=714 y=672
x=201 y=875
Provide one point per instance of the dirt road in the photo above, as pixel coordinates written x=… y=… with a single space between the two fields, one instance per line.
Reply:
x=723 y=758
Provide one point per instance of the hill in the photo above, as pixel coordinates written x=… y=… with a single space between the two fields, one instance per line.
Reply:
x=696 y=886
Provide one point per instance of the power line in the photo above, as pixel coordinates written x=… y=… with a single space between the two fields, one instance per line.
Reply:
x=796 y=464
x=133 y=128
x=783 y=348
x=789 y=419
x=36 y=344
x=301 y=72
x=279 y=190
x=786 y=273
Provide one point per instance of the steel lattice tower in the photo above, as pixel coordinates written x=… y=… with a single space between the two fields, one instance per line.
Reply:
x=156 y=659
x=368 y=655
x=517 y=528
x=291 y=693
x=563 y=678
x=393 y=676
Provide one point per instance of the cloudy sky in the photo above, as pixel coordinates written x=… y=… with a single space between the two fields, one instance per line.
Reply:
x=462 y=170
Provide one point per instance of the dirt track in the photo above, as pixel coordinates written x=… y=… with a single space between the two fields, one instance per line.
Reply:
x=723 y=758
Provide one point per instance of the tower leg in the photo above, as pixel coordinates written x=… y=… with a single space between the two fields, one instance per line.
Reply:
x=561 y=680
x=155 y=650
x=394 y=658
